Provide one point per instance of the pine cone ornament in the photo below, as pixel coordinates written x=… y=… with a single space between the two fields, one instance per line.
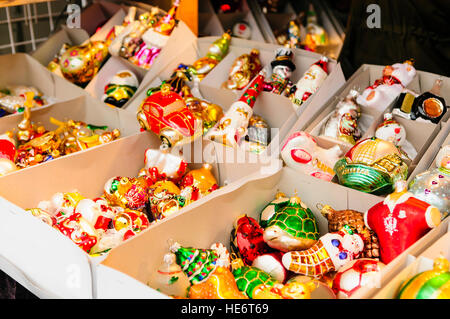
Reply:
x=338 y=218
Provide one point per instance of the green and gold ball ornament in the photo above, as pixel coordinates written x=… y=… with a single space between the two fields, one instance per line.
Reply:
x=373 y=166
x=431 y=284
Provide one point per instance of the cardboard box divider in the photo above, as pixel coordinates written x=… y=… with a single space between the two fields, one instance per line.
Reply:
x=415 y=265
x=427 y=161
x=47 y=51
x=83 y=108
x=24 y=70
x=271 y=22
x=86 y=172
x=425 y=136
x=213 y=221
x=96 y=86
x=215 y=24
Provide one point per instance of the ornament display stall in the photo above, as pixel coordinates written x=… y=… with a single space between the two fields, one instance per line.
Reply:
x=224 y=156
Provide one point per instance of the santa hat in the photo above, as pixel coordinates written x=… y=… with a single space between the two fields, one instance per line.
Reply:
x=253 y=90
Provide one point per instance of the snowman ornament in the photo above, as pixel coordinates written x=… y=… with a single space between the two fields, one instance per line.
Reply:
x=384 y=91
x=392 y=131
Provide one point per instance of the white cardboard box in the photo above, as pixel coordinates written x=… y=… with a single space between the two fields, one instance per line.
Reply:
x=83 y=108
x=413 y=266
x=96 y=87
x=48 y=263
x=24 y=70
x=213 y=221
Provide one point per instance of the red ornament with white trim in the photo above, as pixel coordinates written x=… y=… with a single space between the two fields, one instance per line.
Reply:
x=400 y=220
x=7 y=154
x=363 y=272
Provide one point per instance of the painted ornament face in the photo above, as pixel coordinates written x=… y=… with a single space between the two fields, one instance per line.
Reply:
x=302 y=153
x=342 y=247
x=282 y=71
x=392 y=131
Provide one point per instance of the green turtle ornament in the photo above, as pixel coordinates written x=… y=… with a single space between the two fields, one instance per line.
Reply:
x=289 y=224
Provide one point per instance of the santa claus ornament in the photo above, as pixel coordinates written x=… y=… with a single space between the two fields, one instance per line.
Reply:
x=310 y=82
x=399 y=221
x=384 y=91
x=302 y=153
x=373 y=166
x=342 y=125
x=233 y=126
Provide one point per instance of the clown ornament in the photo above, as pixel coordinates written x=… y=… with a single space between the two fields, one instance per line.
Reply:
x=330 y=253
x=399 y=221
x=121 y=88
x=301 y=153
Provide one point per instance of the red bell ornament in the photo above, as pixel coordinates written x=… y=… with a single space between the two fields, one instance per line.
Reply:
x=399 y=221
